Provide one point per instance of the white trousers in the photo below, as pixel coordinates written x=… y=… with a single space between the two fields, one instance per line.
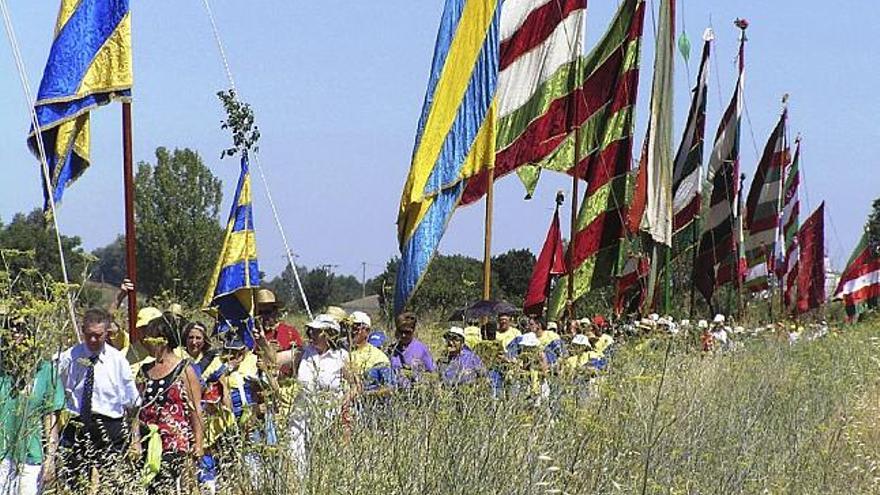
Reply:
x=19 y=479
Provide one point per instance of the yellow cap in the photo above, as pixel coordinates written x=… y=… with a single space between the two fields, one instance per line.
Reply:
x=146 y=315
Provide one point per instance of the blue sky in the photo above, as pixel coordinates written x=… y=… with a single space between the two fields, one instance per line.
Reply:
x=337 y=88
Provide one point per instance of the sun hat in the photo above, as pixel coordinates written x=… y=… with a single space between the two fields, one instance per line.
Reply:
x=719 y=318
x=529 y=340
x=455 y=333
x=324 y=322
x=702 y=324
x=581 y=339
x=360 y=317
x=377 y=338
x=265 y=297
x=599 y=321
x=336 y=313
x=176 y=309
x=551 y=325
x=146 y=315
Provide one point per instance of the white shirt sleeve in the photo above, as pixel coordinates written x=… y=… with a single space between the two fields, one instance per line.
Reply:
x=130 y=397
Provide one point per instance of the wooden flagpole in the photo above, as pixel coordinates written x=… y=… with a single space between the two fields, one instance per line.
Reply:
x=128 y=179
x=487 y=244
x=573 y=230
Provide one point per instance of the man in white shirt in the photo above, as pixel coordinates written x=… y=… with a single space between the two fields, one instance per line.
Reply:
x=99 y=393
x=321 y=374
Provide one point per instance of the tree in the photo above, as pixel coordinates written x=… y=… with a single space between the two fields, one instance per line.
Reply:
x=178 y=235
x=29 y=233
x=110 y=267
x=873 y=227
x=322 y=287
x=452 y=282
x=514 y=271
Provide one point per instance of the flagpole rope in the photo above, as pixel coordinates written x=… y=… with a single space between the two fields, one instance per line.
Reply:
x=751 y=128
x=717 y=77
x=28 y=94
x=231 y=81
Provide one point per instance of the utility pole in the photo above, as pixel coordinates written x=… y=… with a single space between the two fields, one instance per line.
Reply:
x=364 y=278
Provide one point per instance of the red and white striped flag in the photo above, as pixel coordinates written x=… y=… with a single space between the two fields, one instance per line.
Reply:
x=538 y=84
x=787 y=259
x=859 y=285
x=762 y=210
x=718 y=254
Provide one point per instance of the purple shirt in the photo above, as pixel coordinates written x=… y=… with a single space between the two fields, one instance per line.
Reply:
x=464 y=368
x=416 y=356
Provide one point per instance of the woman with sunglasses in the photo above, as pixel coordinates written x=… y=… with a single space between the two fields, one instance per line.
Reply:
x=171 y=409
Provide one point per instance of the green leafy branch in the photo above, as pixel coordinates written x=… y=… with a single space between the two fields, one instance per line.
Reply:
x=240 y=120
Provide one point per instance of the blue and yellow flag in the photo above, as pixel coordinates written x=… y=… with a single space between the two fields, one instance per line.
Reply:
x=455 y=139
x=237 y=275
x=89 y=65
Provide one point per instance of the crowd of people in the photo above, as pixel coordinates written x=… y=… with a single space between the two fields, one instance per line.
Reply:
x=168 y=399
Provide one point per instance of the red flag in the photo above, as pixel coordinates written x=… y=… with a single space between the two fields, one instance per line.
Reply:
x=632 y=286
x=550 y=262
x=811 y=273
x=640 y=196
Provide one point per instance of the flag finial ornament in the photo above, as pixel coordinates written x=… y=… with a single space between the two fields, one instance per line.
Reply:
x=684 y=46
x=741 y=23
x=708 y=35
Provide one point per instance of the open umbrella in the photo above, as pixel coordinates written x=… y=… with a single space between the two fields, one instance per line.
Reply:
x=481 y=309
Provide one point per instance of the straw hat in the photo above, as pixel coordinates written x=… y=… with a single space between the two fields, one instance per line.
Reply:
x=265 y=297
x=337 y=313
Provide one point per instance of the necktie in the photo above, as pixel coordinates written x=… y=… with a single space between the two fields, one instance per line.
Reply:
x=85 y=410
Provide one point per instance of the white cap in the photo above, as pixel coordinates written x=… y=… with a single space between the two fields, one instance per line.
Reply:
x=585 y=321
x=719 y=318
x=529 y=340
x=551 y=325
x=581 y=339
x=685 y=323
x=654 y=316
x=323 y=322
x=457 y=331
x=360 y=317
x=702 y=324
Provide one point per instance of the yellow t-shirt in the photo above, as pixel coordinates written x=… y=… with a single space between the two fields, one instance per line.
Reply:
x=366 y=358
x=603 y=343
x=472 y=336
x=507 y=337
x=547 y=337
x=580 y=360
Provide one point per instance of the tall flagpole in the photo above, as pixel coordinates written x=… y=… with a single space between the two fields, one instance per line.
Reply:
x=487 y=245
x=573 y=230
x=128 y=179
